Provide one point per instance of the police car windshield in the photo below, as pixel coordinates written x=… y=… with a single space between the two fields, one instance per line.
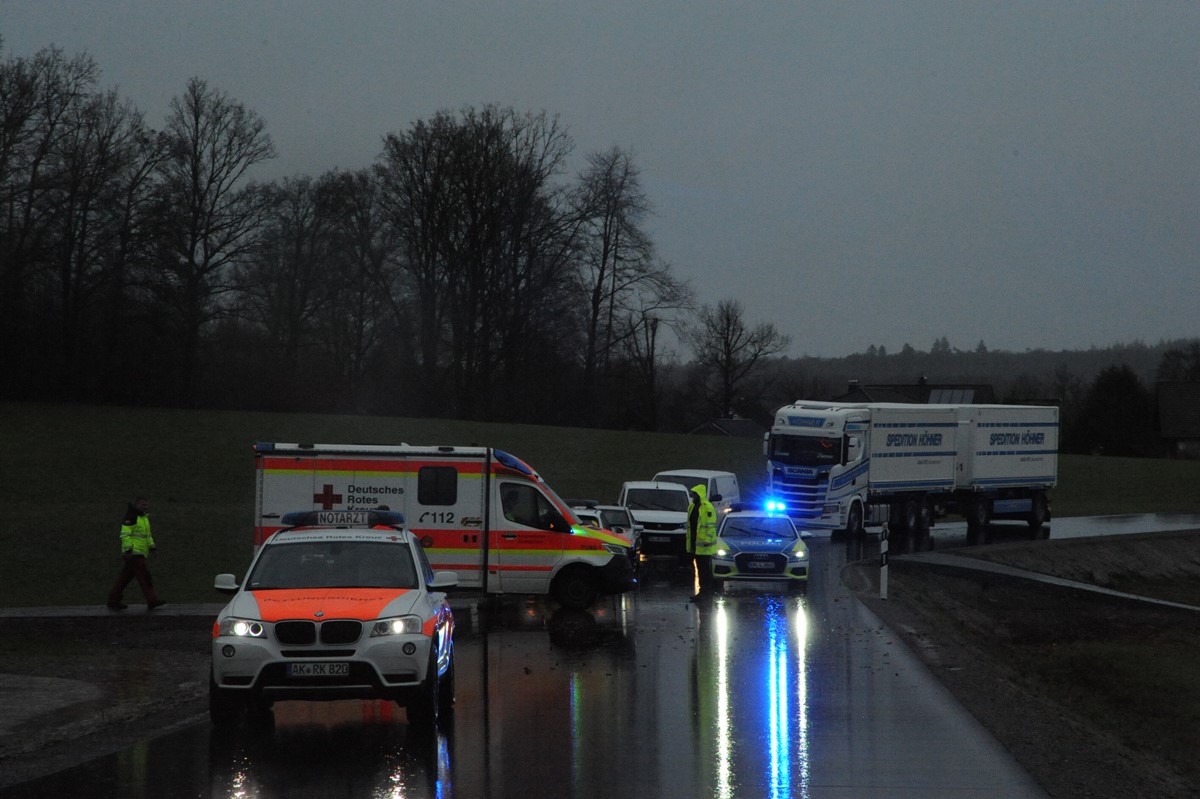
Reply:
x=333 y=564
x=758 y=527
x=805 y=450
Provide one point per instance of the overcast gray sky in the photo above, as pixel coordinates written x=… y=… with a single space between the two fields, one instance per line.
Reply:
x=855 y=173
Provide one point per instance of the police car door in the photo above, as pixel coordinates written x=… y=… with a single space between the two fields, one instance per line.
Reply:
x=527 y=539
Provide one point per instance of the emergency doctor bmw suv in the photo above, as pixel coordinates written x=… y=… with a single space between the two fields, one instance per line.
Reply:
x=336 y=605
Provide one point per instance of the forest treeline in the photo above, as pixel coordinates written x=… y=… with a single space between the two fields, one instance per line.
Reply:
x=464 y=274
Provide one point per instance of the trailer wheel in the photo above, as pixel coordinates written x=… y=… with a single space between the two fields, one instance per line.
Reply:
x=910 y=512
x=1037 y=516
x=575 y=588
x=979 y=514
x=923 y=542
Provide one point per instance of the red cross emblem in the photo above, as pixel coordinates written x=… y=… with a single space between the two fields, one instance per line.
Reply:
x=327 y=498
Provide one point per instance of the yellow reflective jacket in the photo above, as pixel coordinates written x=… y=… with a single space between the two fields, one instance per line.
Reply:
x=135 y=533
x=705 y=541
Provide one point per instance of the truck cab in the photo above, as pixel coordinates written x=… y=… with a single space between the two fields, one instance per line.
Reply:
x=816 y=461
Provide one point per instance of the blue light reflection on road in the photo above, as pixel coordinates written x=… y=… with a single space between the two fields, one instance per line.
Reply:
x=777 y=668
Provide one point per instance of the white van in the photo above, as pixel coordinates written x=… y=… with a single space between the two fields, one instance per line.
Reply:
x=661 y=508
x=722 y=487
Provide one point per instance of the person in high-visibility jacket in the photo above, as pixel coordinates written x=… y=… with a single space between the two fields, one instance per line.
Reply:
x=137 y=544
x=702 y=538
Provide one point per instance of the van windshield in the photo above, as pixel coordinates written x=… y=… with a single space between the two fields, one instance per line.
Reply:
x=805 y=450
x=686 y=482
x=656 y=499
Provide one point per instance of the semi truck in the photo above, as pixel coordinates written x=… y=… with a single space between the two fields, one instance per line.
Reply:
x=479 y=512
x=844 y=466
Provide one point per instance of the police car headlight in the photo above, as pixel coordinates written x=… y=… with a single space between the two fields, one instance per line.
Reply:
x=401 y=625
x=243 y=628
x=725 y=550
x=799 y=554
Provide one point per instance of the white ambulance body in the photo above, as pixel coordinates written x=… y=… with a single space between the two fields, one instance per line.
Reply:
x=840 y=466
x=479 y=512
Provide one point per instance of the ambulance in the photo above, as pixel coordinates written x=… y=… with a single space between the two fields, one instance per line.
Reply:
x=479 y=512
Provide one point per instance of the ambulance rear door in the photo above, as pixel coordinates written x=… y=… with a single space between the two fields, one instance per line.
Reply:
x=445 y=511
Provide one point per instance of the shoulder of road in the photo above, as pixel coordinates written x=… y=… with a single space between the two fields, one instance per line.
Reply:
x=967 y=563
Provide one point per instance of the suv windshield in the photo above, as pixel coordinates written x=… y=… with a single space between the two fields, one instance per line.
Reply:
x=656 y=499
x=333 y=564
x=805 y=450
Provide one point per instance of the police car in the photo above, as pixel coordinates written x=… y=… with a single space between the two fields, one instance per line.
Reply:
x=755 y=545
x=336 y=605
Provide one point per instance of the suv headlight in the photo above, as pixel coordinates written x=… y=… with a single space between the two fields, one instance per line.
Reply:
x=798 y=554
x=401 y=625
x=243 y=628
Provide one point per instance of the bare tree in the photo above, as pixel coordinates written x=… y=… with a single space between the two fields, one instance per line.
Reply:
x=351 y=323
x=37 y=99
x=729 y=352
x=210 y=214
x=483 y=251
x=623 y=283
x=103 y=144
x=281 y=281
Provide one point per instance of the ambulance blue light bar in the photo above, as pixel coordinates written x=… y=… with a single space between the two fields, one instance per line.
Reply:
x=343 y=518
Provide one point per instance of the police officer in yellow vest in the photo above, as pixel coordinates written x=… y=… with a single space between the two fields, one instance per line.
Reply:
x=137 y=543
x=702 y=538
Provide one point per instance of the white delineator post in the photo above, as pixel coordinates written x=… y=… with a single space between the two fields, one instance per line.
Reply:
x=883 y=562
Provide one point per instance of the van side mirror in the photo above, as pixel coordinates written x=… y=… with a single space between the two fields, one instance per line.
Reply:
x=715 y=498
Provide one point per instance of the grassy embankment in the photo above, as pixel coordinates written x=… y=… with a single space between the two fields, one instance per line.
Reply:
x=66 y=473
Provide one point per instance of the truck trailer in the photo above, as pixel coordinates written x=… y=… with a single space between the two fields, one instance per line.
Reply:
x=479 y=512
x=844 y=466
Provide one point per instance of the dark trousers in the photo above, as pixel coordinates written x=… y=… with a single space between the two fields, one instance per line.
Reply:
x=704 y=572
x=134 y=568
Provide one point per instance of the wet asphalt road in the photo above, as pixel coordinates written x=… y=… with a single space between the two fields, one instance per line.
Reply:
x=760 y=694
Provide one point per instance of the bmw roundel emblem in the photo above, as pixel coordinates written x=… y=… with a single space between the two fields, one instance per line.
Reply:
x=319 y=613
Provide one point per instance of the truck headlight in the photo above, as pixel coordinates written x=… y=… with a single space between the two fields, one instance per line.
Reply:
x=243 y=628
x=401 y=625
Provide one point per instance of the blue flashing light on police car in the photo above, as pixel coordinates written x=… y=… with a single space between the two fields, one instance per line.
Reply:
x=774 y=506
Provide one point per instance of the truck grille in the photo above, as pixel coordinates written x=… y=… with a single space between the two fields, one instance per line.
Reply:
x=805 y=497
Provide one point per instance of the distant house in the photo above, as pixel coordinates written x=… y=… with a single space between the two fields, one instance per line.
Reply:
x=735 y=427
x=922 y=392
x=1179 y=417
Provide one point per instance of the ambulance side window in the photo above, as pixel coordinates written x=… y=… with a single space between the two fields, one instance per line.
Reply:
x=525 y=505
x=437 y=485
